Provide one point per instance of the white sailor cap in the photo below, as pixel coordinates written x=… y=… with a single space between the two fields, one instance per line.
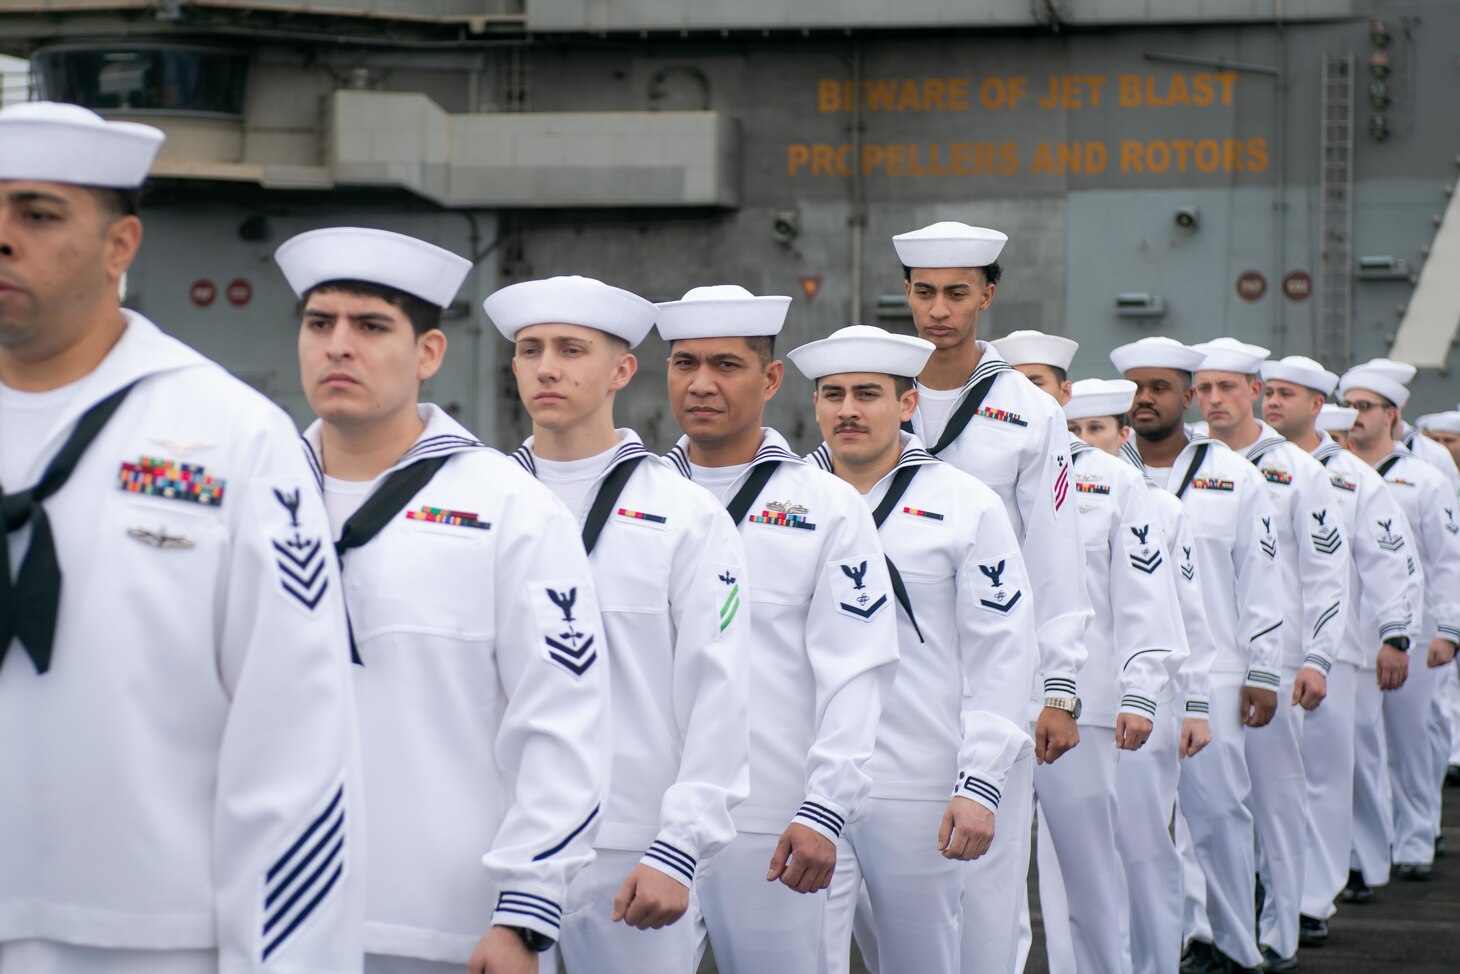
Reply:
x=1100 y=397
x=1156 y=352
x=570 y=301
x=394 y=260
x=722 y=311
x=58 y=143
x=1375 y=380
x=1036 y=348
x=1401 y=372
x=1333 y=418
x=949 y=245
x=1301 y=370
x=1230 y=355
x=1446 y=422
x=862 y=348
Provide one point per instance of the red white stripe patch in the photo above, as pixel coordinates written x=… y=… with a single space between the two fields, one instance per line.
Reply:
x=1061 y=486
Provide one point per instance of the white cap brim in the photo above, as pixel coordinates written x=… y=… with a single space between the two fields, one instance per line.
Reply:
x=571 y=301
x=1037 y=348
x=949 y=245
x=1230 y=355
x=862 y=348
x=394 y=260
x=722 y=311
x=1100 y=397
x=1446 y=422
x=1336 y=419
x=57 y=143
x=1401 y=372
x=1302 y=371
x=1374 y=381
x=1156 y=353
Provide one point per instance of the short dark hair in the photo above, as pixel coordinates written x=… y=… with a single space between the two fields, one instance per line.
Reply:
x=991 y=272
x=901 y=384
x=423 y=315
x=1061 y=376
x=764 y=347
x=117 y=203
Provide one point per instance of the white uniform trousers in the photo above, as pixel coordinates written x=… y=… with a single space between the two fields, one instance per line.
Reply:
x=914 y=895
x=1279 y=801
x=592 y=944
x=1213 y=792
x=996 y=885
x=52 y=957
x=1449 y=695
x=390 y=964
x=1373 y=819
x=1145 y=789
x=1441 y=730
x=1328 y=766
x=1416 y=788
x=1078 y=814
x=754 y=926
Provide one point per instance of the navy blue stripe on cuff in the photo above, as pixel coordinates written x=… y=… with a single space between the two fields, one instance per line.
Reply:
x=823 y=816
x=981 y=788
x=1135 y=701
x=531 y=905
x=1319 y=662
x=681 y=862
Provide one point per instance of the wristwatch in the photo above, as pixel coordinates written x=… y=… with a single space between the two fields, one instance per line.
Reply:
x=536 y=942
x=1070 y=705
x=1400 y=643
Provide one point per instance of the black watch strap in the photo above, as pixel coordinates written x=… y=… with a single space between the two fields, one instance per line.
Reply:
x=536 y=942
x=1400 y=643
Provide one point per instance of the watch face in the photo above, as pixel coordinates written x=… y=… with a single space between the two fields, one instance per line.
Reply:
x=1079 y=708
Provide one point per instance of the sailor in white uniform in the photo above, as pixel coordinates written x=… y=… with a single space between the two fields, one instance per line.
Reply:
x=1134 y=632
x=1424 y=496
x=823 y=640
x=482 y=679
x=1236 y=552
x=1376 y=633
x=1444 y=429
x=963 y=621
x=1313 y=565
x=1428 y=450
x=669 y=568
x=979 y=414
x=177 y=728
x=1146 y=780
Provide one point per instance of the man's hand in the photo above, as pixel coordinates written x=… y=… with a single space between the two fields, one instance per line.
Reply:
x=1258 y=706
x=967 y=830
x=1392 y=668
x=1309 y=689
x=1442 y=651
x=804 y=859
x=1055 y=732
x=502 y=951
x=1131 y=731
x=1196 y=733
x=648 y=899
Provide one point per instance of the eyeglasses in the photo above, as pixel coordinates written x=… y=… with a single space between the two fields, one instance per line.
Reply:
x=1361 y=406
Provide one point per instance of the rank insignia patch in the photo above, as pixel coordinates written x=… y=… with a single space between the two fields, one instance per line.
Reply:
x=784 y=514
x=641 y=516
x=1276 y=476
x=1085 y=487
x=854 y=597
x=1342 y=484
x=731 y=602
x=300 y=560
x=1002 y=415
x=918 y=512
x=564 y=641
x=1209 y=483
x=1188 y=567
x=1390 y=541
x=1450 y=524
x=1269 y=543
x=160 y=477
x=1325 y=536
x=999 y=600
x=440 y=515
x=1143 y=556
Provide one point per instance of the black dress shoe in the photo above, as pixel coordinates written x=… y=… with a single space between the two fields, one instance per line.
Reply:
x=1357 y=891
x=1273 y=964
x=1452 y=776
x=1200 y=958
x=1414 y=871
x=1439 y=847
x=1227 y=965
x=1312 y=932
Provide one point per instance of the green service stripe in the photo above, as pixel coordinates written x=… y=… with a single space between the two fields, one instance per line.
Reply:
x=730 y=599
x=725 y=620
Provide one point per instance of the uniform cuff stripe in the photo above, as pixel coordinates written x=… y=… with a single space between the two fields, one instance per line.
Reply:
x=977 y=786
x=1057 y=685
x=530 y=905
x=1198 y=707
x=1137 y=702
x=679 y=861
x=1263 y=678
x=823 y=816
x=1317 y=663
